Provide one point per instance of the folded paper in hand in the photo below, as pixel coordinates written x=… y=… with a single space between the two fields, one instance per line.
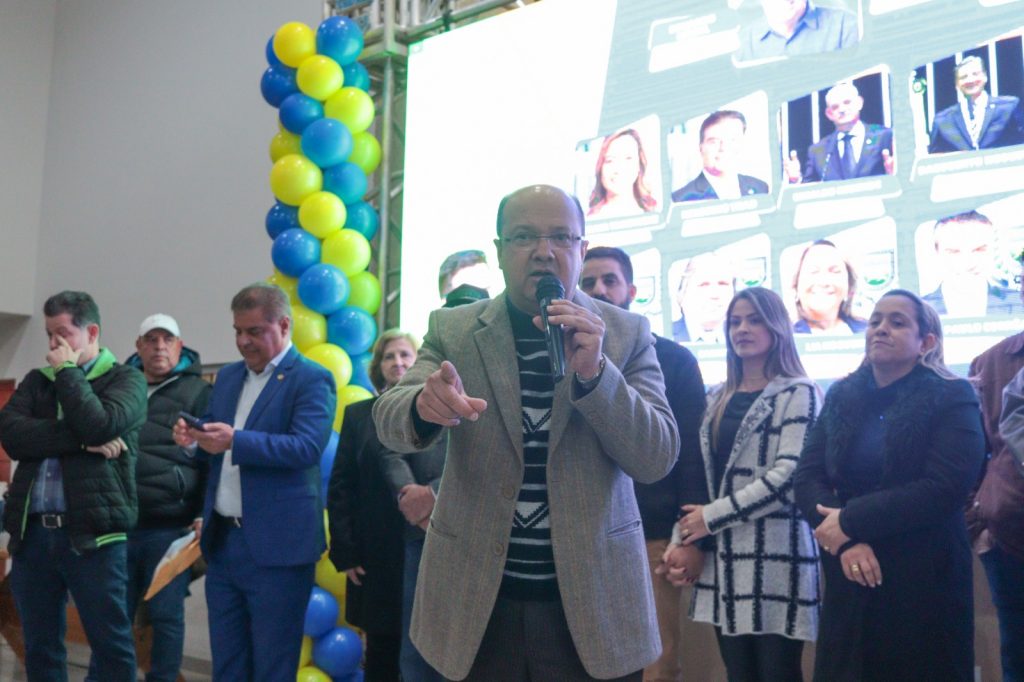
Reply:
x=182 y=553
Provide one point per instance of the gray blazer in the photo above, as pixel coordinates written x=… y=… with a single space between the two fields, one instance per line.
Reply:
x=623 y=428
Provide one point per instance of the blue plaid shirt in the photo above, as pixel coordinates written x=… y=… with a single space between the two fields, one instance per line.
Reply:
x=48 y=490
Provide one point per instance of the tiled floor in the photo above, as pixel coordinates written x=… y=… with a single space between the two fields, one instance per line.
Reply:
x=195 y=666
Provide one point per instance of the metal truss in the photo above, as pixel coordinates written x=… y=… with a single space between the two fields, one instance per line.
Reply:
x=390 y=26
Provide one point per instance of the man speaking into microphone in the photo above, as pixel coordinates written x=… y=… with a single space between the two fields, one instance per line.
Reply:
x=535 y=566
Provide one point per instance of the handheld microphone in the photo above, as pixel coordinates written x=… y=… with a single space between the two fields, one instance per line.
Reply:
x=549 y=288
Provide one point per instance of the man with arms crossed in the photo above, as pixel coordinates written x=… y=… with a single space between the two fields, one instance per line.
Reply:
x=536 y=527
x=73 y=427
x=263 y=527
x=608 y=276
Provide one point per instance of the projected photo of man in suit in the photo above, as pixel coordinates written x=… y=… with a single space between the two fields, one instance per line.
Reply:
x=721 y=152
x=853 y=150
x=977 y=120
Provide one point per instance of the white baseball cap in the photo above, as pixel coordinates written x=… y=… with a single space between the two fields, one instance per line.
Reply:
x=159 y=321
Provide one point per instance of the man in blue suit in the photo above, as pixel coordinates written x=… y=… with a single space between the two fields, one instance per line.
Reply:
x=721 y=152
x=853 y=150
x=978 y=120
x=268 y=421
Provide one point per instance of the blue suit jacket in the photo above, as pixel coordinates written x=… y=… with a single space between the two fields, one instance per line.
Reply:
x=1003 y=126
x=699 y=188
x=278 y=452
x=823 y=162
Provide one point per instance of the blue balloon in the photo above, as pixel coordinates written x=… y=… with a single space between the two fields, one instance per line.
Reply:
x=352 y=328
x=327 y=142
x=340 y=39
x=347 y=180
x=297 y=111
x=282 y=217
x=361 y=371
x=294 y=251
x=356 y=76
x=321 y=613
x=278 y=82
x=323 y=288
x=327 y=463
x=271 y=55
x=338 y=652
x=363 y=218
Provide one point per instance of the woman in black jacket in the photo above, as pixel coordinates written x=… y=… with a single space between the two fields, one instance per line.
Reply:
x=367 y=540
x=883 y=477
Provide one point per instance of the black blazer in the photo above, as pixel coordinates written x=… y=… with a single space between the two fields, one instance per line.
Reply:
x=823 y=162
x=917 y=625
x=1003 y=126
x=366 y=527
x=699 y=188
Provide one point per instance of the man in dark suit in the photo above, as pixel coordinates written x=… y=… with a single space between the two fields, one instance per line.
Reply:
x=268 y=421
x=721 y=150
x=853 y=150
x=978 y=120
x=608 y=276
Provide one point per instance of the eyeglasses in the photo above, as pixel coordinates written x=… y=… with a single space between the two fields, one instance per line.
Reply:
x=526 y=242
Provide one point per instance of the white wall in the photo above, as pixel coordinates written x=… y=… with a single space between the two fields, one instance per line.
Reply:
x=154 y=176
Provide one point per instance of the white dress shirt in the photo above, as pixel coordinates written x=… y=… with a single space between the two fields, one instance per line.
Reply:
x=228 y=501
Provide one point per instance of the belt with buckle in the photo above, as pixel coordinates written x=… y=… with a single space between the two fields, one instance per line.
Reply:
x=52 y=520
x=235 y=521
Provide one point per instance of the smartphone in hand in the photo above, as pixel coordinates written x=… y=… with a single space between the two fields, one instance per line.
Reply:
x=192 y=421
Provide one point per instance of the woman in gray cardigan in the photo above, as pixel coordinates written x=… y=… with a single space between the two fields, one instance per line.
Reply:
x=759 y=582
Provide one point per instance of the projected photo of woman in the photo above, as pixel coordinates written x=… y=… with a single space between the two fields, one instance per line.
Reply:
x=620 y=188
x=824 y=286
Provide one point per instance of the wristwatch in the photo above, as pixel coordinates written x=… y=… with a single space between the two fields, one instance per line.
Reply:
x=587 y=384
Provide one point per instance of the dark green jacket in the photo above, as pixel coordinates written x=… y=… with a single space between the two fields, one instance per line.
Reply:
x=100 y=493
x=171 y=481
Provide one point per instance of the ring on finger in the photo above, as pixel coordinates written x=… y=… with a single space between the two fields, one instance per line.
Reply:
x=855 y=568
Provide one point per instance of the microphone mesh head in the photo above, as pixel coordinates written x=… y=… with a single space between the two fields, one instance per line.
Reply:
x=549 y=287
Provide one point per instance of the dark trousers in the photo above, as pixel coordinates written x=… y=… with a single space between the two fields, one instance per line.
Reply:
x=45 y=569
x=1006 y=582
x=414 y=667
x=256 y=613
x=166 y=610
x=382 y=658
x=530 y=642
x=761 y=658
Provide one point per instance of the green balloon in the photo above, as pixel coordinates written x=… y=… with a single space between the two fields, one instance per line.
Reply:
x=364 y=292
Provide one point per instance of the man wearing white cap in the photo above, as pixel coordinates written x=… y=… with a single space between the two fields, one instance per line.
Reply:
x=170 y=481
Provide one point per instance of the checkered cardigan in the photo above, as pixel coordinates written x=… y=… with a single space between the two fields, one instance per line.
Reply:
x=762 y=576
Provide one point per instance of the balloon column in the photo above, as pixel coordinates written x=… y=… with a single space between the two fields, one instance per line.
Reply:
x=321 y=230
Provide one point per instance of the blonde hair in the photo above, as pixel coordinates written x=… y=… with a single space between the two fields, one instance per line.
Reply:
x=782 y=359
x=376 y=376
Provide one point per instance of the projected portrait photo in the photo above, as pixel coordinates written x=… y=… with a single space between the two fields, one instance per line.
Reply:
x=623 y=179
x=787 y=28
x=972 y=100
x=840 y=133
x=721 y=155
x=968 y=261
x=703 y=284
x=831 y=283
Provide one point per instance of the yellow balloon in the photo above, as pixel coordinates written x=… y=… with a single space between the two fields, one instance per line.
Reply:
x=319 y=77
x=306 y=652
x=322 y=214
x=284 y=143
x=351 y=106
x=311 y=674
x=365 y=152
x=293 y=178
x=290 y=285
x=364 y=291
x=293 y=43
x=352 y=394
x=331 y=579
x=346 y=250
x=334 y=359
x=309 y=328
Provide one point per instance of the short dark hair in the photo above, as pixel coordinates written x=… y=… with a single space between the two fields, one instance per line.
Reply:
x=617 y=255
x=78 y=304
x=966 y=217
x=719 y=116
x=455 y=262
x=969 y=59
x=575 y=203
x=268 y=297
